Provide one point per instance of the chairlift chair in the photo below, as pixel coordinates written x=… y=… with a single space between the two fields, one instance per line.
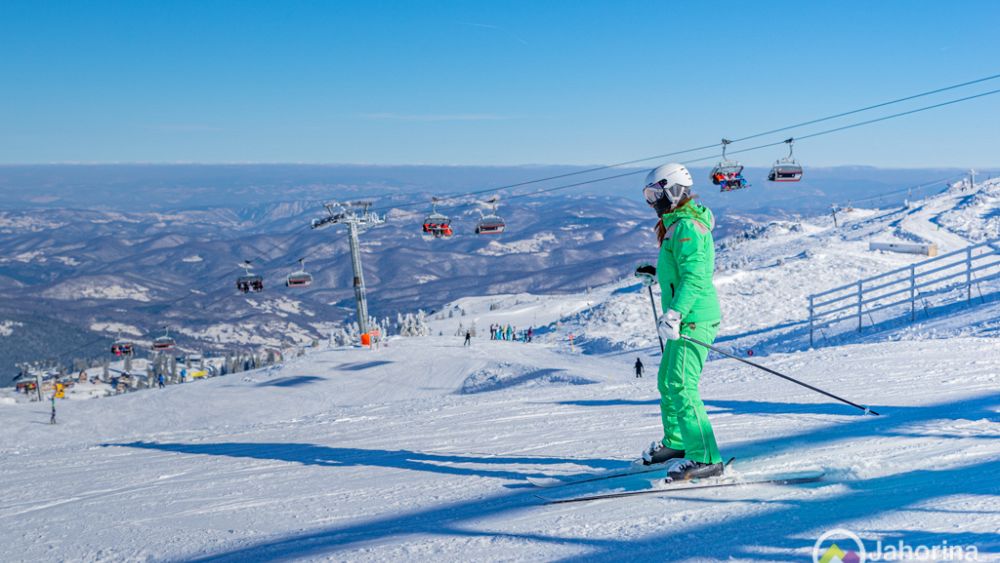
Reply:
x=728 y=174
x=249 y=281
x=165 y=342
x=491 y=224
x=300 y=278
x=786 y=169
x=122 y=348
x=436 y=225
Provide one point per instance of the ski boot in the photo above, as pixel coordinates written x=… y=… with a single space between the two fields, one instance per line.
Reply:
x=658 y=453
x=686 y=470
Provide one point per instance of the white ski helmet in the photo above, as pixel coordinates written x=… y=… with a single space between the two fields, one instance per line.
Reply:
x=672 y=181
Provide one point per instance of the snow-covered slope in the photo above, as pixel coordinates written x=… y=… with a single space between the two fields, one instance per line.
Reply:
x=422 y=450
x=398 y=454
x=766 y=273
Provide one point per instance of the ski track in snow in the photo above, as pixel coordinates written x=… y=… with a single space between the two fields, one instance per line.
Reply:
x=352 y=454
x=422 y=450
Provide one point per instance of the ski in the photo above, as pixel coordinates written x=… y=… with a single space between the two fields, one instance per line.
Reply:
x=785 y=479
x=634 y=469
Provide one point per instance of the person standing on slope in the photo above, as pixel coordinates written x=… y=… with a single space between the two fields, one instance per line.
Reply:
x=638 y=367
x=690 y=307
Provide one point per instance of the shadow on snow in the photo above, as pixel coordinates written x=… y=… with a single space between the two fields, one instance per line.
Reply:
x=780 y=531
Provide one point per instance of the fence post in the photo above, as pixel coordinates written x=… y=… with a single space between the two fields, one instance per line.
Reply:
x=968 y=274
x=811 y=298
x=913 y=292
x=860 y=303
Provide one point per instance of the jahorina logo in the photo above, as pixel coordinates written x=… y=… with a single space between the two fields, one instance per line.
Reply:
x=839 y=546
x=844 y=546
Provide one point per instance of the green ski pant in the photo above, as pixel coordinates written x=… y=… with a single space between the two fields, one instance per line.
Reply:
x=685 y=422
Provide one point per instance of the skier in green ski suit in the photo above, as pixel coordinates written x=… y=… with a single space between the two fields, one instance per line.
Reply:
x=691 y=308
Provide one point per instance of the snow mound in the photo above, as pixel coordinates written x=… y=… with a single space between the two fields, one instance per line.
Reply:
x=531 y=245
x=976 y=217
x=7 y=327
x=504 y=375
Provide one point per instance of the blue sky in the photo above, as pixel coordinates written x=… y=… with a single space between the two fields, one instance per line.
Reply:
x=572 y=82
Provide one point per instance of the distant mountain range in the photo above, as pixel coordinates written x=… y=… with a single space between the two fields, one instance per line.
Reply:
x=88 y=251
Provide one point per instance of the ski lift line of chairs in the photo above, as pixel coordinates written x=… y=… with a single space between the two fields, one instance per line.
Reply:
x=249 y=281
x=786 y=169
x=299 y=278
x=728 y=174
x=436 y=225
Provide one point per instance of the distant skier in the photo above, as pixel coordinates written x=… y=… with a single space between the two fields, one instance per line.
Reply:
x=161 y=382
x=52 y=417
x=691 y=308
x=468 y=338
x=638 y=367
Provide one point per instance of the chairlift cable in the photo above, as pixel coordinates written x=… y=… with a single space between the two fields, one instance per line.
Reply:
x=740 y=139
x=674 y=153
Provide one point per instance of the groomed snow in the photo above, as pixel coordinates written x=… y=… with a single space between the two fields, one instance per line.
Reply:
x=405 y=453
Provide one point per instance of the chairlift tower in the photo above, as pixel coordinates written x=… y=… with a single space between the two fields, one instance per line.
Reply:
x=358 y=217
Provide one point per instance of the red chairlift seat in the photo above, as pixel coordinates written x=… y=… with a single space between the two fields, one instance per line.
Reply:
x=298 y=279
x=437 y=225
x=490 y=225
x=164 y=343
x=786 y=169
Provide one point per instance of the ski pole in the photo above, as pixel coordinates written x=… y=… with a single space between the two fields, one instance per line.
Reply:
x=656 y=318
x=781 y=375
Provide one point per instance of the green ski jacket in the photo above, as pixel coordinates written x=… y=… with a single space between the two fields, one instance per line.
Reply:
x=686 y=262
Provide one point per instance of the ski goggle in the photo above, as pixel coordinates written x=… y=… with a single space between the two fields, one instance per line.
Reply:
x=655 y=191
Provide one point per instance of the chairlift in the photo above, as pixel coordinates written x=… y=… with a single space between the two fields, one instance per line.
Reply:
x=786 y=169
x=335 y=214
x=300 y=278
x=249 y=281
x=165 y=342
x=728 y=174
x=491 y=224
x=436 y=224
x=121 y=347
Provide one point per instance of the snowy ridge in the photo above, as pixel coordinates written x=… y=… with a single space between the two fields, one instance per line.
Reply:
x=766 y=273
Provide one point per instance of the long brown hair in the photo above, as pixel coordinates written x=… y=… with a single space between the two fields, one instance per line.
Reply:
x=660 y=228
